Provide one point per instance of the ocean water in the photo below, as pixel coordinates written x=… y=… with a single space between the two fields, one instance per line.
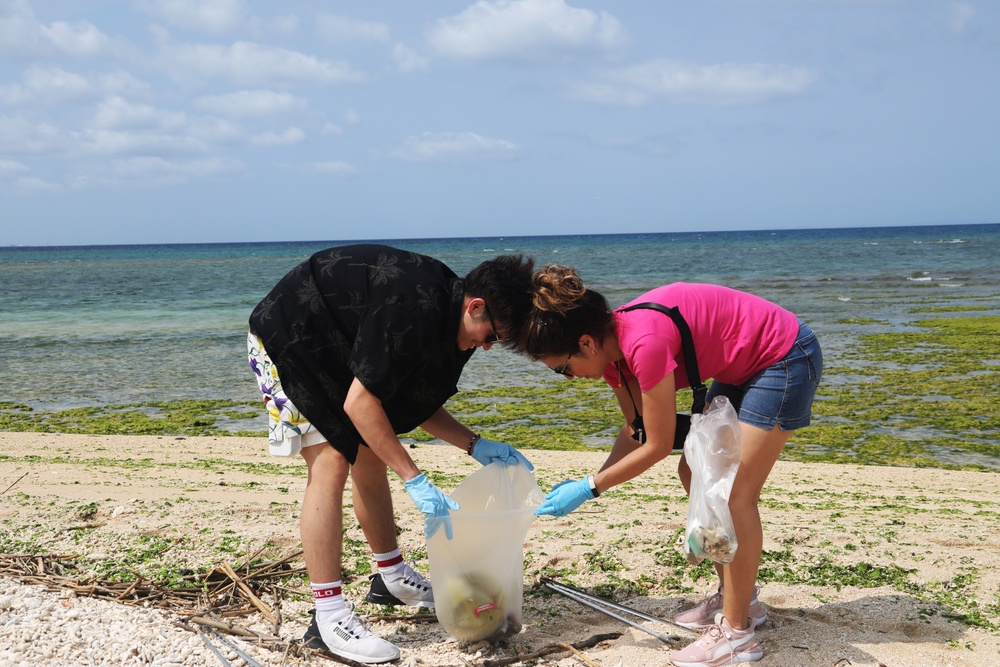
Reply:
x=104 y=325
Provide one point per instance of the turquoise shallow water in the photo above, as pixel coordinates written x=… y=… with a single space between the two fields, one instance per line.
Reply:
x=99 y=325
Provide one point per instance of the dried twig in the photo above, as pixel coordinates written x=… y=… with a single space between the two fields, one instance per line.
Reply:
x=13 y=483
x=580 y=655
x=552 y=648
x=254 y=600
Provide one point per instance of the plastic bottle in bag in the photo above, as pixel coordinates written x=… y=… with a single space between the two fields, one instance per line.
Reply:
x=478 y=575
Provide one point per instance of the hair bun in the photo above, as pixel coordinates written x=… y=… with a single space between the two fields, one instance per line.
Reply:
x=558 y=289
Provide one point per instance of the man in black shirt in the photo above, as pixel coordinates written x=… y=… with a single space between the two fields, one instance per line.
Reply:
x=370 y=342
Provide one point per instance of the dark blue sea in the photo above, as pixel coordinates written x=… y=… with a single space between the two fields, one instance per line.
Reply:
x=102 y=325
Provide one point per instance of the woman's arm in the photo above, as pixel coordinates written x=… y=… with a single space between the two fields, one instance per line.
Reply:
x=629 y=459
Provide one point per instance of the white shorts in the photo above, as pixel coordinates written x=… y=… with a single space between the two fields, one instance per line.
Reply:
x=288 y=431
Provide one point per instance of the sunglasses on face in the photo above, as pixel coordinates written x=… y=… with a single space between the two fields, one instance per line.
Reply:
x=564 y=369
x=493 y=337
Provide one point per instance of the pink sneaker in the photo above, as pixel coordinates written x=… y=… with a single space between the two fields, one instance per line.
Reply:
x=720 y=645
x=702 y=615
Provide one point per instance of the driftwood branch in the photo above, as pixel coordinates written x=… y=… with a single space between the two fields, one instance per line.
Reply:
x=552 y=648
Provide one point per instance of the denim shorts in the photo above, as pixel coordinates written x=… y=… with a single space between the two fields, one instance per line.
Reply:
x=780 y=394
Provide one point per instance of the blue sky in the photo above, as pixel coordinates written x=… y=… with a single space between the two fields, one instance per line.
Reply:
x=183 y=121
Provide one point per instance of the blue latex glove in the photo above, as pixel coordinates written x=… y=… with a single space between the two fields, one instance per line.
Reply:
x=429 y=500
x=488 y=451
x=565 y=497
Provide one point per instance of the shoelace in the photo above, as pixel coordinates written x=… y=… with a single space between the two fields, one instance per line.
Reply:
x=712 y=600
x=415 y=579
x=416 y=583
x=354 y=624
x=713 y=632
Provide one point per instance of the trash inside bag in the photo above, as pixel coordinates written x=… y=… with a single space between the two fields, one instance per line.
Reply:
x=712 y=450
x=478 y=575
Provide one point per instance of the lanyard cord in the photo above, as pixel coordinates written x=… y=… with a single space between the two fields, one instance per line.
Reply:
x=640 y=429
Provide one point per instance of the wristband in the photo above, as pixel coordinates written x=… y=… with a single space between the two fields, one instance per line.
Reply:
x=472 y=443
x=593 y=486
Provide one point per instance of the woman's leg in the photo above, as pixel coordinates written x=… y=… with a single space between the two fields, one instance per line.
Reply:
x=759 y=453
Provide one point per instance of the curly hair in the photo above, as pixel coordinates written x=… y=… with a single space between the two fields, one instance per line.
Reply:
x=504 y=282
x=563 y=309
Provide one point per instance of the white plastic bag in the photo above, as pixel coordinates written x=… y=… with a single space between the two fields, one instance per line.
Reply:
x=478 y=575
x=712 y=450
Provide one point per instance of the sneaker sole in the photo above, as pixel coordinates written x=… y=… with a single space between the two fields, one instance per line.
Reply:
x=728 y=660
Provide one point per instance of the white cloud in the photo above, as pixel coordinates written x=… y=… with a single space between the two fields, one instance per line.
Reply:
x=333 y=168
x=118 y=113
x=455 y=146
x=246 y=103
x=153 y=172
x=254 y=64
x=9 y=167
x=121 y=127
x=45 y=86
x=290 y=137
x=687 y=83
x=340 y=30
x=18 y=136
x=214 y=16
x=49 y=86
x=34 y=185
x=22 y=35
x=117 y=142
x=407 y=59
x=960 y=17
x=525 y=30
x=331 y=129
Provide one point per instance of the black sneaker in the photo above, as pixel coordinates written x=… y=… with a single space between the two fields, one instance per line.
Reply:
x=312 y=638
x=379 y=594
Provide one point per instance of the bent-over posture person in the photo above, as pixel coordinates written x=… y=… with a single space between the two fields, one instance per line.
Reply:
x=764 y=359
x=356 y=345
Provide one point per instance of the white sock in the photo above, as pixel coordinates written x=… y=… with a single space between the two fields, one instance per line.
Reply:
x=389 y=563
x=329 y=599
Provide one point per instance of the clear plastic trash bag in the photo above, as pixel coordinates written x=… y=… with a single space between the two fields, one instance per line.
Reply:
x=712 y=450
x=478 y=575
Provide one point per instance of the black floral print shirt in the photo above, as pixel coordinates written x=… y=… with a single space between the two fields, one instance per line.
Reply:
x=386 y=316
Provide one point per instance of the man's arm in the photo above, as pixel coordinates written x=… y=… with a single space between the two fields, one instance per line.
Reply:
x=445 y=427
x=368 y=416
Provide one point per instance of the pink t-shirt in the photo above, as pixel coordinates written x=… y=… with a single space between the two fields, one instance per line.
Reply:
x=735 y=335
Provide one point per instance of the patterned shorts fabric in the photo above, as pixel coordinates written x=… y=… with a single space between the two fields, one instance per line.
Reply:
x=287 y=429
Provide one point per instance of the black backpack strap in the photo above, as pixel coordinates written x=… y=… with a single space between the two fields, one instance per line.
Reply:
x=698 y=388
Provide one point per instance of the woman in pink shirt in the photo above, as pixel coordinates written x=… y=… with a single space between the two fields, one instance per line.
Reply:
x=760 y=356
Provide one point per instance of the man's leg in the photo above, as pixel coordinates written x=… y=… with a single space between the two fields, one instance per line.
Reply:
x=321 y=520
x=322 y=530
x=373 y=501
x=398 y=584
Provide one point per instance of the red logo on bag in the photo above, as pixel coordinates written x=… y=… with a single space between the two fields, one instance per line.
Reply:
x=477 y=610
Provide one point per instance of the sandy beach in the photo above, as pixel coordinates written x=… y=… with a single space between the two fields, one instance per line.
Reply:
x=865 y=566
